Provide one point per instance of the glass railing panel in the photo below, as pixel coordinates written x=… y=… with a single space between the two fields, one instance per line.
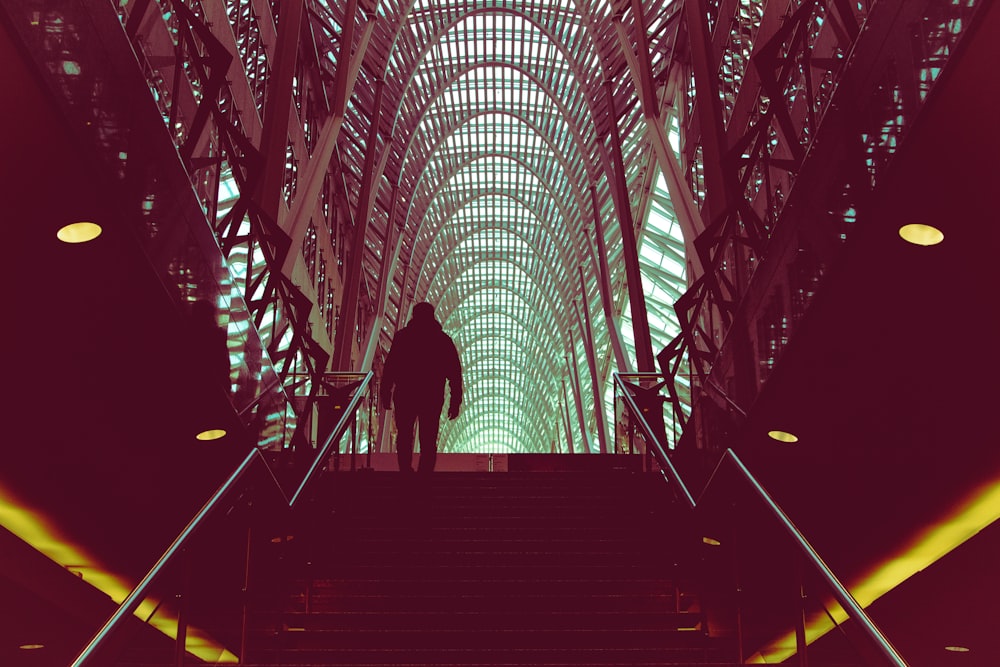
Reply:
x=196 y=604
x=766 y=591
x=200 y=600
x=351 y=450
x=664 y=413
x=764 y=587
x=321 y=403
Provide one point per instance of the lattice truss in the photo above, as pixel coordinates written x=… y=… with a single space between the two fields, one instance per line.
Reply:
x=500 y=159
x=501 y=117
x=466 y=153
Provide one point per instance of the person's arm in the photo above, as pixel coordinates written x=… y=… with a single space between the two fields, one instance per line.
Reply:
x=388 y=378
x=455 y=383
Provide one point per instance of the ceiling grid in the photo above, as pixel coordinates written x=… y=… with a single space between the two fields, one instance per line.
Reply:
x=497 y=120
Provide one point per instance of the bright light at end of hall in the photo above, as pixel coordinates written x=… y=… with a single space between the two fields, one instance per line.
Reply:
x=782 y=436
x=211 y=434
x=79 y=232
x=924 y=235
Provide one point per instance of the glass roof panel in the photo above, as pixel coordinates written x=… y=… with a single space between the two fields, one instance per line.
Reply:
x=501 y=160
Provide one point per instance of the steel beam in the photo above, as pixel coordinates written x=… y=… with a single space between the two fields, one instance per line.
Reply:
x=630 y=246
x=588 y=347
x=604 y=283
x=709 y=113
x=388 y=259
x=311 y=181
x=685 y=208
x=274 y=138
x=342 y=357
x=574 y=377
x=564 y=409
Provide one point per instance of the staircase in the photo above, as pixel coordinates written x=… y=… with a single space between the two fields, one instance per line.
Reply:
x=517 y=568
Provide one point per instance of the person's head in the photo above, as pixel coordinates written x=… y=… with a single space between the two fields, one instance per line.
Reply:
x=423 y=311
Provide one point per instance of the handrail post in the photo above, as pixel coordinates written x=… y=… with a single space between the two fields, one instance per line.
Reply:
x=354 y=444
x=179 y=545
x=371 y=417
x=336 y=456
x=840 y=593
x=653 y=443
x=180 y=645
x=244 y=624
x=801 y=644
x=737 y=587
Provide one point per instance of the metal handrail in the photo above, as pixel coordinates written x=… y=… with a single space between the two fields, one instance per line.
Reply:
x=258 y=398
x=335 y=436
x=840 y=592
x=656 y=445
x=138 y=594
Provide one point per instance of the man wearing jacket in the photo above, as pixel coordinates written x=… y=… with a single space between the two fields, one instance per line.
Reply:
x=421 y=359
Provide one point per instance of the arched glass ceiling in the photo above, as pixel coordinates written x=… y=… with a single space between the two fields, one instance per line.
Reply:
x=496 y=131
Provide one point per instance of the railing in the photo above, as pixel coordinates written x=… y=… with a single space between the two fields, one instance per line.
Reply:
x=252 y=483
x=747 y=606
x=643 y=401
x=670 y=411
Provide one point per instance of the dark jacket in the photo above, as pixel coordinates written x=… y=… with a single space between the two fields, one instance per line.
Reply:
x=421 y=359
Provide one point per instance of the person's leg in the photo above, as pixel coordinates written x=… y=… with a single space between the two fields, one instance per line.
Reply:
x=429 y=425
x=406 y=418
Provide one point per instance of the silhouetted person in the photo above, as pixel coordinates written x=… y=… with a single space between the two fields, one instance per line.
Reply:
x=421 y=359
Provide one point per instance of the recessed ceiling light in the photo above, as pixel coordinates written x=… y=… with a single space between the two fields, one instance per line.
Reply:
x=921 y=234
x=79 y=232
x=957 y=649
x=31 y=647
x=711 y=541
x=783 y=436
x=211 y=434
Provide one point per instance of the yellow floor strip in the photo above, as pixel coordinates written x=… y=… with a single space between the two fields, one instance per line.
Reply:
x=43 y=534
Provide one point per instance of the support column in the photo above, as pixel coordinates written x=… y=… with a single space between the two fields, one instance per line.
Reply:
x=604 y=283
x=588 y=345
x=274 y=136
x=708 y=109
x=637 y=298
x=388 y=258
x=564 y=405
x=574 y=376
x=343 y=345
x=311 y=181
x=688 y=215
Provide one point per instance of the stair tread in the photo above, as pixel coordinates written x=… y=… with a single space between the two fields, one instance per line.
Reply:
x=492 y=569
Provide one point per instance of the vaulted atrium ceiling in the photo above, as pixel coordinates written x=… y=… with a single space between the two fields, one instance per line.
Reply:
x=505 y=133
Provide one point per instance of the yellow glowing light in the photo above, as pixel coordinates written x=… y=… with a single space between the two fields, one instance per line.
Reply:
x=36 y=530
x=782 y=436
x=957 y=649
x=921 y=234
x=79 y=232
x=711 y=541
x=211 y=434
x=31 y=647
x=978 y=510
